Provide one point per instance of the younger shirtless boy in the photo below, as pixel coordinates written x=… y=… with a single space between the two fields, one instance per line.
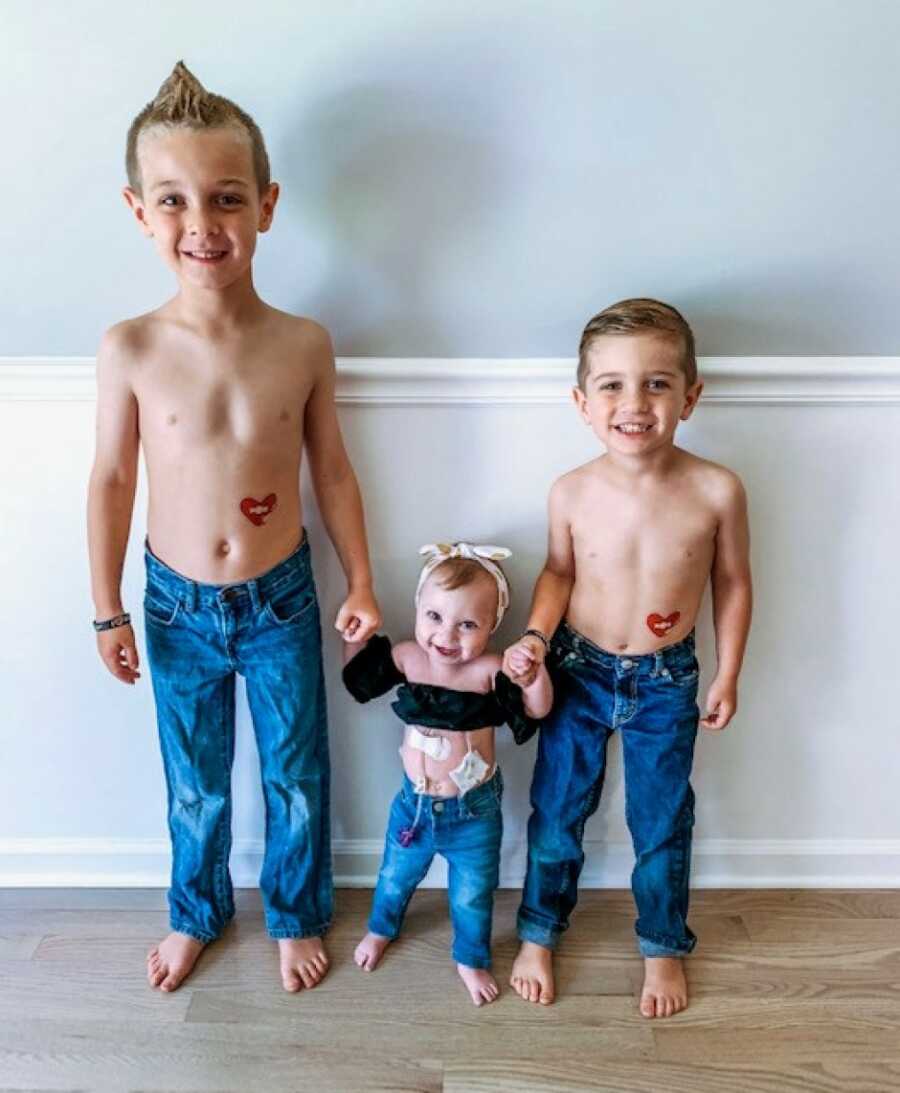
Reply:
x=634 y=536
x=223 y=392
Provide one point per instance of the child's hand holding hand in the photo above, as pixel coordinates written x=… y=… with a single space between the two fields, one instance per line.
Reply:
x=358 y=617
x=522 y=661
x=721 y=703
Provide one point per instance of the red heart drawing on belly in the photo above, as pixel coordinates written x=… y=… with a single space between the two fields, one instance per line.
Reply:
x=257 y=511
x=660 y=625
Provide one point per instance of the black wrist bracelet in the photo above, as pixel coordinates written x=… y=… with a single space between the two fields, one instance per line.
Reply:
x=111 y=624
x=541 y=638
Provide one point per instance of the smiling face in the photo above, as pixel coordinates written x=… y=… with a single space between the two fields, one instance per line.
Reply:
x=635 y=392
x=453 y=626
x=199 y=202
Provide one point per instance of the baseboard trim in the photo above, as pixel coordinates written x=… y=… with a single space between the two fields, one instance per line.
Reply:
x=717 y=863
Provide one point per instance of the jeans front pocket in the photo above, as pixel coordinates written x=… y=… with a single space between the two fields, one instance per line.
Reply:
x=288 y=606
x=160 y=607
x=682 y=673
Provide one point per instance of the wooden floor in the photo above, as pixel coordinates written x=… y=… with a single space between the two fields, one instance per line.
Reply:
x=790 y=991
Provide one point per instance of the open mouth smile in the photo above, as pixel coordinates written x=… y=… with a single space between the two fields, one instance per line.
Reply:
x=446 y=652
x=205 y=255
x=632 y=428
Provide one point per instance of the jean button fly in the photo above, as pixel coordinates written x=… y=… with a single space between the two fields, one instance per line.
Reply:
x=438 y=806
x=626 y=663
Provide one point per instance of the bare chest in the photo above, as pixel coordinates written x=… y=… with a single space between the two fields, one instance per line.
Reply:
x=255 y=405
x=649 y=534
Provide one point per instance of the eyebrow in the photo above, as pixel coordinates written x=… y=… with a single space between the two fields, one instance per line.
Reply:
x=221 y=182
x=618 y=375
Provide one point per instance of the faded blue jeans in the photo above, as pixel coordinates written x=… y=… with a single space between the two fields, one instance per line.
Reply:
x=199 y=636
x=467 y=831
x=651 y=701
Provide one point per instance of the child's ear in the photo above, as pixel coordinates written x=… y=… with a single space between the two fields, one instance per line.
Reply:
x=691 y=398
x=135 y=202
x=267 y=202
x=580 y=400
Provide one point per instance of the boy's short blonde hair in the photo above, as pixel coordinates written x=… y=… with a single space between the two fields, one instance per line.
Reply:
x=183 y=101
x=639 y=316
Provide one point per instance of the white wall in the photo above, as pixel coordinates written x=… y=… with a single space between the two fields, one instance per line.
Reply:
x=477 y=177
x=802 y=788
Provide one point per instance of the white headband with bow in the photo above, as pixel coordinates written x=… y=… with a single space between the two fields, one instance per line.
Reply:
x=485 y=555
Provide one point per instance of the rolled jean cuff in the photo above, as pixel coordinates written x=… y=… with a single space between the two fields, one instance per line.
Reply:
x=654 y=948
x=546 y=937
x=470 y=959
x=381 y=927
x=297 y=933
x=191 y=931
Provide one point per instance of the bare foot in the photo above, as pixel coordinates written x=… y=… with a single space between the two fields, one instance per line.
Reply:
x=532 y=974
x=304 y=962
x=370 y=950
x=665 y=987
x=172 y=961
x=480 y=983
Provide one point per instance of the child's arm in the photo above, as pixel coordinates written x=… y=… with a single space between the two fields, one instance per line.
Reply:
x=732 y=604
x=551 y=593
x=537 y=697
x=111 y=500
x=338 y=497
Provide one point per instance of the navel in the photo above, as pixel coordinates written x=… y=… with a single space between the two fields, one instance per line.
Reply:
x=224 y=547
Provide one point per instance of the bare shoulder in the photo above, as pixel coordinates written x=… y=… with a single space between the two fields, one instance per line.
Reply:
x=719 y=484
x=125 y=346
x=568 y=488
x=404 y=654
x=309 y=341
x=490 y=664
x=128 y=340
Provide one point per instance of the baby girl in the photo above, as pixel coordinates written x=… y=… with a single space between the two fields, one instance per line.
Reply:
x=452 y=695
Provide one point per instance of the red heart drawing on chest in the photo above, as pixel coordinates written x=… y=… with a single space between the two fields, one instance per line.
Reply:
x=661 y=625
x=257 y=511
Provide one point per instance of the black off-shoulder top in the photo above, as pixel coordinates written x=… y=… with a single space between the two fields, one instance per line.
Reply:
x=372 y=673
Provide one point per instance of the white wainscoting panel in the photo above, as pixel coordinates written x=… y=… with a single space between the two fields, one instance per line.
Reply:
x=800 y=791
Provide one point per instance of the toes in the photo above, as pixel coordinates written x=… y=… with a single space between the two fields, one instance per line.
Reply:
x=170 y=983
x=291 y=981
x=648 y=1006
x=310 y=975
x=547 y=997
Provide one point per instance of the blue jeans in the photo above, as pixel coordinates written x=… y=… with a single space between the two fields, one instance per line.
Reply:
x=467 y=832
x=652 y=701
x=198 y=637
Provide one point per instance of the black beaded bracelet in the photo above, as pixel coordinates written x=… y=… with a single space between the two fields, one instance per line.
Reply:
x=541 y=637
x=111 y=624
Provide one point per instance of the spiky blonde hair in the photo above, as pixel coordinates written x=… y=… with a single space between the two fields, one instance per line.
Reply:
x=183 y=101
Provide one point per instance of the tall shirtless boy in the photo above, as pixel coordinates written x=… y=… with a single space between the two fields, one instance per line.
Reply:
x=634 y=537
x=223 y=392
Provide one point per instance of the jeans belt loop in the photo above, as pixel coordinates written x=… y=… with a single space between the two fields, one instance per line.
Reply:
x=253 y=588
x=191 y=596
x=658 y=662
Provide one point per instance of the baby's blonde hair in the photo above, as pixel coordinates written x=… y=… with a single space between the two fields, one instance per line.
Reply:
x=182 y=101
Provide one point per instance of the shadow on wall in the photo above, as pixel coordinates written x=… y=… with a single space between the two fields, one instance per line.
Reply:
x=390 y=184
x=778 y=313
